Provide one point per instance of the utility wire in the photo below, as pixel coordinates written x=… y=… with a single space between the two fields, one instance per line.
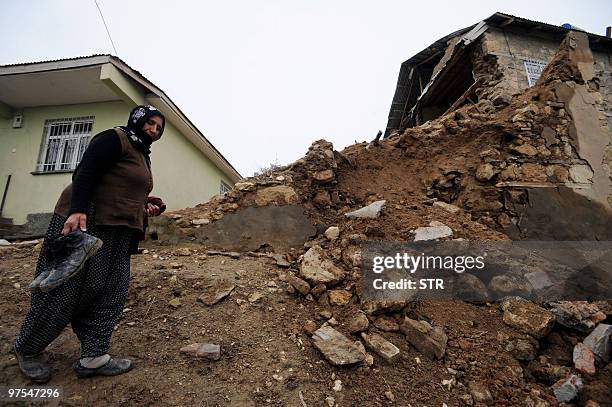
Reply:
x=105 y=26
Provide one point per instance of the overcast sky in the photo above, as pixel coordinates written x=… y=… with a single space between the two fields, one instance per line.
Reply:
x=262 y=79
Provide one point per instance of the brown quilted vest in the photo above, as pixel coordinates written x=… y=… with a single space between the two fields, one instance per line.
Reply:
x=121 y=194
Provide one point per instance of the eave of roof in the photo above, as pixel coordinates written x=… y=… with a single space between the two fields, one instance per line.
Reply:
x=99 y=59
x=496 y=20
x=504 y=19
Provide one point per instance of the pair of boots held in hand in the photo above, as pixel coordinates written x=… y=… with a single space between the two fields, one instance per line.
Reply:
x=67 y=256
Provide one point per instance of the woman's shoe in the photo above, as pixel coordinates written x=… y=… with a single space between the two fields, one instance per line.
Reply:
x=34 y=367
x=112 y=368
x=71 y=251
x=35 y=285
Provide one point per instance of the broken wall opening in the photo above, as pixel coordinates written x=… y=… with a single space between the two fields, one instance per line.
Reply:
x=448 y=89
x=418 y=78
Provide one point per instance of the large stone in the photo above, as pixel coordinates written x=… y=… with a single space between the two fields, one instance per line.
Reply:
x=318 y=269
x=447 y=207
x=528 y=317
x=382 y=347
x=248 y=229
x=581 y=174
x=485 y=172
x=332 y=233
x=584 y=360
x=280 y=261
x=501 y=99
x=579 y=315
x=200 y=221
x=358 y=322
x=217 y=292
x=324 y=176
x=525 y=149
x=430 y=341
x=468 y=287
x=432 y=232
x=337 y=348
x=339 y=297
x=245 y=186
x=568 y=388
x=302 y=286
x=207 y=351
x=530 y=109
x=371 y=211
x=318 y=289
x=539 y=280
x=523 y=348
x=386 y=324
x=280 y=195
x=322 y=199
x=600 y=342
x=480 y=392
x=504 y=285
x=550 y=136
x=371 y=307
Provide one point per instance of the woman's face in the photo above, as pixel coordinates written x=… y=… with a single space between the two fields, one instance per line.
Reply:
x=153 y=127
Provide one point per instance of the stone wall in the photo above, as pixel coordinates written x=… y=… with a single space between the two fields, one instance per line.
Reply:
x=499 y=57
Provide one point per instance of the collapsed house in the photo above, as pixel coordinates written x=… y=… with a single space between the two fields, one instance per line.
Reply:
x=532 y=165
x=501 y=57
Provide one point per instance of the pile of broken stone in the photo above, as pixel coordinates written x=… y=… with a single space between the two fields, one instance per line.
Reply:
x=327 y=270
x=537 y=323
x=316 y=275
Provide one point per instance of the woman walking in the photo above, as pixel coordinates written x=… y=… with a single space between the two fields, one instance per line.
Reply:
x=108 y=198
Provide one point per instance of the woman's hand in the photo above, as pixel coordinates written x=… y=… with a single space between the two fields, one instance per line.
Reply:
x=154 y=206
x=75 y=221
x=152 y=210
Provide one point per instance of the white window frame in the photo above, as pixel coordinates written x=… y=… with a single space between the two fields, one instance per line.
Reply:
x=533 y=68
x=224 y=187
x=63 y=143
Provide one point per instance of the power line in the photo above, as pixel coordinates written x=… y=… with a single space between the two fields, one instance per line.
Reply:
x=105 y=26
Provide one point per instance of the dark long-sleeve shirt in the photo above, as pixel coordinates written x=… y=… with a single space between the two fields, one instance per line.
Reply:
x=103 y=152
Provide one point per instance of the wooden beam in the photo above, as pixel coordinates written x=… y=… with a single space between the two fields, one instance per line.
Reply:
x=465 y=96
x=421 y=83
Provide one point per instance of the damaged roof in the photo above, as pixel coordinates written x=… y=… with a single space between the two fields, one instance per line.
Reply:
x=471 y=33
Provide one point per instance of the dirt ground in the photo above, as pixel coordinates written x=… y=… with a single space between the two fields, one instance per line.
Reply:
x=266 y=357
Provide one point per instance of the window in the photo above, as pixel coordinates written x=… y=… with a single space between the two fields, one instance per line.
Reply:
x=534 y=68
x=63 y=144
x=224 y=187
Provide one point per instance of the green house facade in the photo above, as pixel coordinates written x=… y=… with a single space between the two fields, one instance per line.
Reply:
x=50 y=110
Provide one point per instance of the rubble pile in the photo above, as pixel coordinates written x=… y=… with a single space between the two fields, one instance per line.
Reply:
x=466 y=175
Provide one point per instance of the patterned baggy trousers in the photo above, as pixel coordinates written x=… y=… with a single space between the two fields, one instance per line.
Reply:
x=91 y=302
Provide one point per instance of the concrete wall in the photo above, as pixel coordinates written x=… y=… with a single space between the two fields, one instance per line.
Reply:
x=183 y=176
x=601 y=90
